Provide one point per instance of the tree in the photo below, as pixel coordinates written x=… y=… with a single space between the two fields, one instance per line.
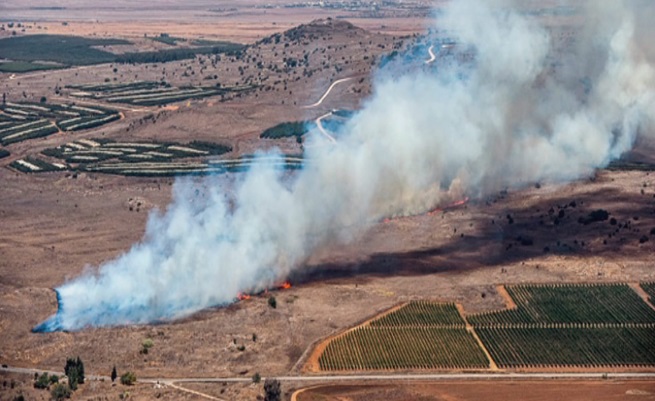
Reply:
x=80 y=370
x=272 y=390
x=43 y=99
x=272 y=302
x=128 y=378
x=74 y=370
x=60 y=392
x=114 y=375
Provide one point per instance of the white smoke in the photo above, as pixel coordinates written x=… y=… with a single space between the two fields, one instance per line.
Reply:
x=517 y=112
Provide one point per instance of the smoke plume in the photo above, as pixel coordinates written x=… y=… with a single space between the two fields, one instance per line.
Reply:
x=509 y=108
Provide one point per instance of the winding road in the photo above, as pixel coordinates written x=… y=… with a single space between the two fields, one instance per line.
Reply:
x=432 y=55
x=319 y=125
x=327 y=92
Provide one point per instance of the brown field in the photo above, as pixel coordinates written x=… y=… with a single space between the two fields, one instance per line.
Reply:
x=486 y=391
x=57 y=225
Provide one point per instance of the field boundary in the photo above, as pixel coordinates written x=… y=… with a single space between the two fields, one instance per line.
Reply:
x=642 y=293
x=492 y=364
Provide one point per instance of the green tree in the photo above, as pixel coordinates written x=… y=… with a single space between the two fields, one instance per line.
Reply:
x=80 y=370
x=272 y=302
x=114 y=375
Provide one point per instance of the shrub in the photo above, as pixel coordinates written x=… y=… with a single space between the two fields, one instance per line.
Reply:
x=595 y=216
x=256 y=378
x=42 y=382
x=272 y=302
x=60 y=392
x=146 y=345
x=128 y=378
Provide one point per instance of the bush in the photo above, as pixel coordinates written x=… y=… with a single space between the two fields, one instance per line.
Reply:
x=256 y=378
x=272 y=302
x=128 y=378
x=42 y=382
x=60 y=392
x=146 y=345
x=595 y=216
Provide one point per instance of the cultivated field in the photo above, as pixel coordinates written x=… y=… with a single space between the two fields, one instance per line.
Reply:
x=100 y=155
x=150 y=93
x=419 y=335
x=21 y=121
x=583 y=326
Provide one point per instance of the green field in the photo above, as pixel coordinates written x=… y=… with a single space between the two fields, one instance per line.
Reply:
x=66 y=50
x=518 y=347
x=419 y=335
x=605 y=304
x=553 y=326
x=288 y=129
x=147 y=93
x=76 y=50
x=397 y=348
x=422 y=313
x=25 y=66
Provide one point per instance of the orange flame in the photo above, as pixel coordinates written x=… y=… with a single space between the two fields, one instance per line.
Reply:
x=243 y=296
x=285 y=286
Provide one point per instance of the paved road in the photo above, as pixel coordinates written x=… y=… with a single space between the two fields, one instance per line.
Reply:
x=421 y=376
x=327 y=92
x=373 y=377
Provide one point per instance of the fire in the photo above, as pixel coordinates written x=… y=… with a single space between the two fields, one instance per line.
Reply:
x=243 y=296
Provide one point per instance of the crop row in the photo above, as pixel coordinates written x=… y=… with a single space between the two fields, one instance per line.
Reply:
x=133 y=166
x=606 y=303
x=96 y=150
x=147 y=93
x=422 y=313
x=386 y=348
x=35 y=165
x=26 y=130
x=588 y=347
